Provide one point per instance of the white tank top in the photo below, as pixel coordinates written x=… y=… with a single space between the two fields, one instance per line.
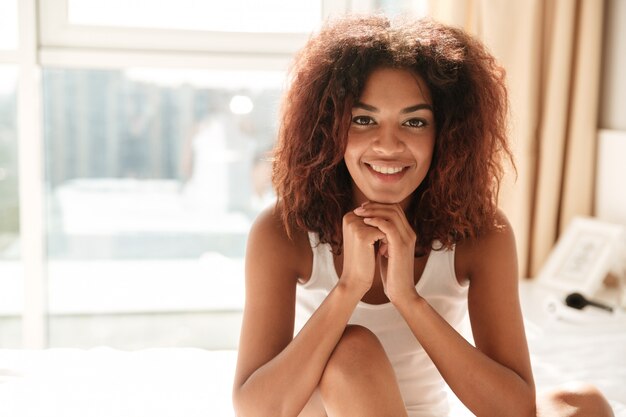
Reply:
x=421 y=385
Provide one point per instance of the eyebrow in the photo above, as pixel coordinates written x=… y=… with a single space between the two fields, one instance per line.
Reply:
x=409 y=109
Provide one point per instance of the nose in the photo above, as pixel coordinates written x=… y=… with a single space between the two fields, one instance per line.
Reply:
x=387 y=142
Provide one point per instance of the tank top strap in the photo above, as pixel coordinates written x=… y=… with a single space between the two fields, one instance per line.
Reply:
x=441 y=274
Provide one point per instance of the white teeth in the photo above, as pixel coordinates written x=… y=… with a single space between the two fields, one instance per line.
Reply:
x=386 y=170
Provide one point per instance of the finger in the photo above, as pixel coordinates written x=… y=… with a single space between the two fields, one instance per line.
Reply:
x=370 y=233
x=393 y=242
x=384 y=250
x=392 y=213
x=387 y=210
x=402 y=217
x=372 y=206
x=389 y=229
x=376 y=236
x=355 y=229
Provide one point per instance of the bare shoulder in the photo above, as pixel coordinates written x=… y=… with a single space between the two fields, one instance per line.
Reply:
x=269 y=242
x=490 y=262
x=274 y=262
x=494 y=246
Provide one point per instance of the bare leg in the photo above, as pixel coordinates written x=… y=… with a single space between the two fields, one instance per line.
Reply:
x=358 y=379
x=315 y=406
x=573 y=400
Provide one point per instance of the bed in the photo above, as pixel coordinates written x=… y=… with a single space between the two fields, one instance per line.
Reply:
x=565 y=346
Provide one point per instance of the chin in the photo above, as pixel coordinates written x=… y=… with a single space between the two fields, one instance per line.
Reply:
x=388 y=199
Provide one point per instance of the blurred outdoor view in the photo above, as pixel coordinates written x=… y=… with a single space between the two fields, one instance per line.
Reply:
x=9 y=207
x=154 y=177
x=156 y=164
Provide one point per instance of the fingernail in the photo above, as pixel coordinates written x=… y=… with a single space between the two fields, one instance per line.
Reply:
x=359 y=210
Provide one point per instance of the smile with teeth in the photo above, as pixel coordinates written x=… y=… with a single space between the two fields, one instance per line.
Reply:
x=386 y=170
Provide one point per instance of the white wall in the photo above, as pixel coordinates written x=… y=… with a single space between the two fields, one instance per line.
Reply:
x=611 y=175
x=610 y=197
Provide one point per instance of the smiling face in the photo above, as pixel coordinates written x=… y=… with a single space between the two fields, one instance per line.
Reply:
x=391 y=137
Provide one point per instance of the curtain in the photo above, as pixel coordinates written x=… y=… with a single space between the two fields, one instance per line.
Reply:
x=551 y=51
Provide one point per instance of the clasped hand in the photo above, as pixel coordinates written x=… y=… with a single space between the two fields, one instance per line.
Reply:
x=386 y=224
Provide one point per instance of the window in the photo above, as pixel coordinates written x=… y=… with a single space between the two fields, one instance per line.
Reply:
x=8 y=25
x=283 y=16
x=157 y=128
x=10 y=271
x=418 y=8
x=154 y=178
x=236 y=26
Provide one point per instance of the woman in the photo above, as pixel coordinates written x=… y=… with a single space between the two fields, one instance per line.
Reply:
x=385 y=233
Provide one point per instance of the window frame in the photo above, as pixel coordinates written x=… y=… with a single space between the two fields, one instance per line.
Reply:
x=9 y=57
x=56 y=31
x=30 y=174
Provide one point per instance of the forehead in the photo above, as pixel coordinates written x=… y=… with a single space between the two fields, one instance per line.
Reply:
x=397 y=84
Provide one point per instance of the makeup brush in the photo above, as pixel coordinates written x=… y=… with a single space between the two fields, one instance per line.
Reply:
x=578 y=301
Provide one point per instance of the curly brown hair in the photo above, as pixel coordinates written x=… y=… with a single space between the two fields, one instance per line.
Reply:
x=458 y=197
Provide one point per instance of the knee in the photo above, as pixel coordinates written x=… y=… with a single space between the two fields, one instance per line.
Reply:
x=582 y=398
x=357 y=351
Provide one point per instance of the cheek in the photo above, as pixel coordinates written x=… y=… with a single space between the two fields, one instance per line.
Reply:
x=427 y=148
x=428 y=159
x=424 y=156
x=351 y=156
x=352 y=166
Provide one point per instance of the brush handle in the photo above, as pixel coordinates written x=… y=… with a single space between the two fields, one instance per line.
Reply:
x=578 y=301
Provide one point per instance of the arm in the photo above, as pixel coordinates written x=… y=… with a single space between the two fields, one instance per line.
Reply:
x=494 y=378
x=276 y=375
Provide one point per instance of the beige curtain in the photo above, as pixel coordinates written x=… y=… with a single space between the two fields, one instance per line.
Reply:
x=551 y=51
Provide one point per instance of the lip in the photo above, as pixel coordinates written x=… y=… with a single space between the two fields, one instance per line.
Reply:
x=387 y=178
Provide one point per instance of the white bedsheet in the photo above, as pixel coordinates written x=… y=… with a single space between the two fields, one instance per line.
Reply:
x=568 y=345
x=190 y=382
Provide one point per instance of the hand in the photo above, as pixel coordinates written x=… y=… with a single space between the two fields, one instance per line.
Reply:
x=396 y=254
x=359 y=258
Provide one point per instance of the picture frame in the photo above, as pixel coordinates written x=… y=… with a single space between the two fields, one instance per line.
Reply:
x=584 y=255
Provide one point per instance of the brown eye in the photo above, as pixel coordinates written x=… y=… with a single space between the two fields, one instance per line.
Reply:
x=415 y=123
x=362 y=120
